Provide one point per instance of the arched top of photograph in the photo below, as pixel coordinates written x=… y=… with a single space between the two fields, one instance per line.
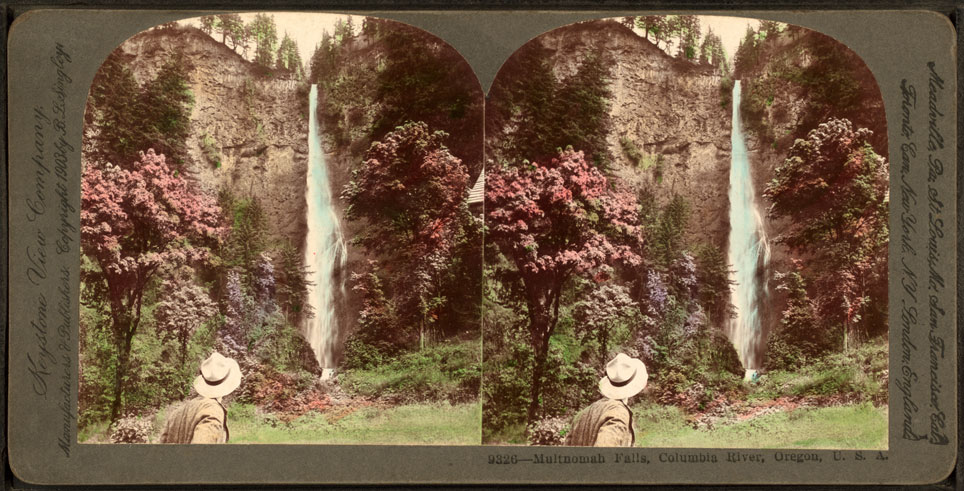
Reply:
x=406 y=72
x=589 y=66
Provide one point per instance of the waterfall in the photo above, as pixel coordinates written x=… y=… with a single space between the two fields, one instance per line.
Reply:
x=749 y=252
x=325 y=252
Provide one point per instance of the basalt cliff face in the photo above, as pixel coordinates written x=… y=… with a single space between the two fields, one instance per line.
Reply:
x=669 y=109
x=249 y=128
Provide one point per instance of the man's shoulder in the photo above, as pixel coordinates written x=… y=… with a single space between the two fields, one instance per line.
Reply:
x=612 y=407
x=200 y=405
x=607 y=403
x=210 y=405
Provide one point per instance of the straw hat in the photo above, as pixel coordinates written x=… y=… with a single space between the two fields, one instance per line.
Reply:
x=219 y=376
x=625 y=377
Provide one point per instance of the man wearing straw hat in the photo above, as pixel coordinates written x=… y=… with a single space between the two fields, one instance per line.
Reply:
x=608 y=422
x=204 y=419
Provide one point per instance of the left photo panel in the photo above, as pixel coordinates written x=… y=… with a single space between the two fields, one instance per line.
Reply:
x=281 y=228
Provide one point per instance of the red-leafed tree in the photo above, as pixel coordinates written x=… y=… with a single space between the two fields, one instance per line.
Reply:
x=555 y=220
x=834 y=189
x=411 y=193
x=134 y=222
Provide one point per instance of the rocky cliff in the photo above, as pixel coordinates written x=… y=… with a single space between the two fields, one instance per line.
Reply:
x=249 y=128
x=670 y=110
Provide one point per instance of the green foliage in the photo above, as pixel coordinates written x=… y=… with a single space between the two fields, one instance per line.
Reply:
x=400 y=74
x=666 y=229
x=713 y=53
x=426 y=424
x=833 y=186
x=747 y=54
x=605 y=318
x=379 y=334
x=819 y=71
x=655 y=25
x=209 y=147
x=288 y=57
x=858 y=375
x=713 y=276
x=98 y=365
x=845 y=427
x=248 y=230
x=569 y=382
x=687 y=30
x=293 y=285
x=156 y=375
x=114 y=107
x=445 y=372
x=265 y=35
x=280 y=345
x=167 y=102
x=654 y=162
x=132 y=118
x=534 y=113
x=420 y=82
x=232 y=29
x=632 y=151
x=798 y=339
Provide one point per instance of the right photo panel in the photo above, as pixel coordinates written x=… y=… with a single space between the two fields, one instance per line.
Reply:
x=686 y=229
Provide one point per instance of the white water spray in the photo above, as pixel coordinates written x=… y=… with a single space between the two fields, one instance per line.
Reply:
x=325 y=252
x=749 y=252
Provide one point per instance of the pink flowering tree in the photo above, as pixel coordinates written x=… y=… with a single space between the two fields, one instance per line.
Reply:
x=833 y=188
x=134 y=222
x=411 y=191
x=553 y=221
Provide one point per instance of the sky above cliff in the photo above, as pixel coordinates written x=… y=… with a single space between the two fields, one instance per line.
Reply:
x=306 y=28
x=730 y=30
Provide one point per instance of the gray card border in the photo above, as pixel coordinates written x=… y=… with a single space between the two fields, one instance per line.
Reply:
x=485 y=38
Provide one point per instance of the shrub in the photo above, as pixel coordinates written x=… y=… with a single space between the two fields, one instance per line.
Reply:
x=632 y=151
x=131 y=429
x=446 y=372
x=209 y=148
x=548 y=431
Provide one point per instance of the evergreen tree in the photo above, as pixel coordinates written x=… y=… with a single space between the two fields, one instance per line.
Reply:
x=422 y=82
x=293 y=285
x=655 y=25
x=747 y=54
x=231 y=28
x=583 y=110
x=116 y=111
x=686 y=28
x=209 y=23
x=288 y=57
x=167 y=110
x=323 y=59
x=535 y=115
x=265 y=35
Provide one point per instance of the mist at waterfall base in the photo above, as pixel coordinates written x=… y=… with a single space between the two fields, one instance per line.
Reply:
x=748 y=255
x=325 y=251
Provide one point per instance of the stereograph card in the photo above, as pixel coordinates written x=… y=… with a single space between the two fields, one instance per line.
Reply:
x=354 y=247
